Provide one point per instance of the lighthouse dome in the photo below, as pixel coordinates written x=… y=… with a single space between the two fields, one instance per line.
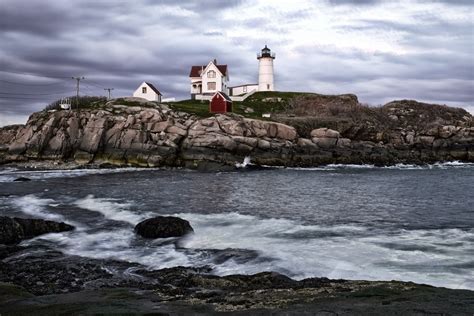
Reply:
x=266 y=52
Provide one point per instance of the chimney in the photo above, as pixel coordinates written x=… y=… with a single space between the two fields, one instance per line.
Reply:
x=215 y=61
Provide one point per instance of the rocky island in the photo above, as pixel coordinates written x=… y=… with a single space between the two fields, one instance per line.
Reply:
x=303 y=131
x=309 y=130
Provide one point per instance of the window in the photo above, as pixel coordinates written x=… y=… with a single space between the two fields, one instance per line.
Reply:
x=143 y=89
x=268 y=87
x=211 y=74
x=211 y=86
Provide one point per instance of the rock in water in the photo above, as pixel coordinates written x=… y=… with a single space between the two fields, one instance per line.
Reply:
x=10 y=231
x=22 y=179
x=13 y=230
x=163 y=227
x=36 y=227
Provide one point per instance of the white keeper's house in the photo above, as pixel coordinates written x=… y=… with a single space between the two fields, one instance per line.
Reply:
x=207 y=80
x=148 y=91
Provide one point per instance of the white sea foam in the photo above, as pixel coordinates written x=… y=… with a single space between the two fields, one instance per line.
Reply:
x=350 y=254
x=243 y=164
x=400 y=166
x=36 y=207
x=111 y=209
x=440 y=257
x=116 y=245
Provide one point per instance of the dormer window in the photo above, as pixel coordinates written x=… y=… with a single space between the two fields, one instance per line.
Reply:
x=211 y=74
x=143 y=89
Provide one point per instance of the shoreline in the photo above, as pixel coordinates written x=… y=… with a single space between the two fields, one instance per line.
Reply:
x=67 y=282
x=45 y=165
x=153 y=135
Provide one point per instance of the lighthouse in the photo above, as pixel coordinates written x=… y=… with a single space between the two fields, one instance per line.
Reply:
x=265 y=70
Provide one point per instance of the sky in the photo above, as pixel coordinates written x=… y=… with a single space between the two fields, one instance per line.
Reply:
x=379 y=50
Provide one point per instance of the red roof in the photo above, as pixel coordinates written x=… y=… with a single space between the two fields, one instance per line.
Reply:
x=196 y=70
x=152 y=87
x=224 y=95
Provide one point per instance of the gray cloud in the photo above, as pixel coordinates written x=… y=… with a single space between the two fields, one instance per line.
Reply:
x=377 y=2
x=355 y=2
x=119 y=44
x=213 y=33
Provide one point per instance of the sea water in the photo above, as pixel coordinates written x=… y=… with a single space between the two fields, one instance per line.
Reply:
x=406 y=222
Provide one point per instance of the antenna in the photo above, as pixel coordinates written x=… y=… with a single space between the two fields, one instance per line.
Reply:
x=109 y=89
x=78 y=79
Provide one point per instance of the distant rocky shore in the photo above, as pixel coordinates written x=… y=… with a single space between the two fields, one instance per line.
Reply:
x=147 y=134
x=45 y=281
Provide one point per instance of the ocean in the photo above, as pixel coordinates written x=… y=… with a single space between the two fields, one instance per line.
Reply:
x=410 y=223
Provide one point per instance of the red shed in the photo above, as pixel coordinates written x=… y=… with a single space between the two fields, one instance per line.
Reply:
x=220 y=103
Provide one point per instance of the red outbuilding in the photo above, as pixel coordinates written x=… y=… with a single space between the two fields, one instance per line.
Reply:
x=220 y=103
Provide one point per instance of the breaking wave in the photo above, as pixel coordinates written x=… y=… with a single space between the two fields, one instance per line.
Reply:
x=36 y=207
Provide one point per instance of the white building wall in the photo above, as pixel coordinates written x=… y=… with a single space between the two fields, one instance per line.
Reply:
x=150 y=95
x=221 y=81
x=196 y=81
x=265 y=74
x=238 y=90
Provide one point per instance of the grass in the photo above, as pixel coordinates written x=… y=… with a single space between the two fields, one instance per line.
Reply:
x=260 y=103
x=196 y=107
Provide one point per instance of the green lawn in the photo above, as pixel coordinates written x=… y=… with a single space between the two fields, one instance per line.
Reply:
x=260 y=102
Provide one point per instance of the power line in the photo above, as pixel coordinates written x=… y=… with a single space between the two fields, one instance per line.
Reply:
x=20 y=98
x=95 y=84
x=91 y=88
x=87 y=89
x=87 y=84
x=10 y=93
x=31 y=74
x=32 y=84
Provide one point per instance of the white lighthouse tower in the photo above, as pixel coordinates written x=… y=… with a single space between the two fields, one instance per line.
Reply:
x=265 y=70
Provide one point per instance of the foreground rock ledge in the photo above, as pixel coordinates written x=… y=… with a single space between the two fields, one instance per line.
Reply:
x=51 y=283
x=153 y=135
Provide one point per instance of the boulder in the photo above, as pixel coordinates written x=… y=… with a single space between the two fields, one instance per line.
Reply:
x=324 y=142
x=14 y=230
x=163 y=227
x=22 y=179
x=325 y=132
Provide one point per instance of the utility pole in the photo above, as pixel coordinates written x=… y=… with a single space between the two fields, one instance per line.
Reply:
x=78 y=79
x=108 y=89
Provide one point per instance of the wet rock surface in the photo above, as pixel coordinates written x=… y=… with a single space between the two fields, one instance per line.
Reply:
x=153 y=135
x=14 y=230
x=163 y=227
x=41 y=280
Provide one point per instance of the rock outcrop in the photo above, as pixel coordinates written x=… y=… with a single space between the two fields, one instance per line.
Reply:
x=163 y=227
x=153 y=135
x=50 y=283
x=14 y=230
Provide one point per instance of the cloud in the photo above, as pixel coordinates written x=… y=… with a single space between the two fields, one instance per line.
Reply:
x=375 y=49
